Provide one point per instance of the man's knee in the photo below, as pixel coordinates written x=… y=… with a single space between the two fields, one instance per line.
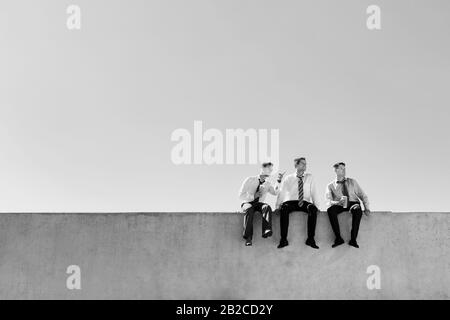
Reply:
x=246 y=207
x=312 y=209
x=356 y=209
x=332 y=211
x=284 y=209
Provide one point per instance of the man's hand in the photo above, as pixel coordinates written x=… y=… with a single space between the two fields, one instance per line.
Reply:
x=280 y=176
x=367 y=212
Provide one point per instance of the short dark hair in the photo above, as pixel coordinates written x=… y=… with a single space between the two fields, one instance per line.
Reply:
x=297 y=160
x=337 y=164
x=266 y=164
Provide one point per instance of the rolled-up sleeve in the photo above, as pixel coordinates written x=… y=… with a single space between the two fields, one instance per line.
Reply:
x=274 y=190
x=314 y=193
x=361 y=195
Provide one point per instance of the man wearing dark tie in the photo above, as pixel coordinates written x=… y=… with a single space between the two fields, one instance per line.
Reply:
x=345 y=194
x=298 y=193
x=252 y=194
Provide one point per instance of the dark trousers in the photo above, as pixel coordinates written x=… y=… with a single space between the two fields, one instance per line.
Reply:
x=289 y=206
x=266 y=212
x=355 y=209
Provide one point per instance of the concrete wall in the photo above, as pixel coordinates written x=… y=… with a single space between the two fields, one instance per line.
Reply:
x=201 y=255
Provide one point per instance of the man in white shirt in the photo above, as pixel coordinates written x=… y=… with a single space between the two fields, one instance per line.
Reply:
x=252 y=194
x=344 y=194
x=298 y=193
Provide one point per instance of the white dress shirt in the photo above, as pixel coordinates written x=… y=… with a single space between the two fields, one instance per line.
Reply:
x=355 y=193
x=289 y=190
x=249 y=186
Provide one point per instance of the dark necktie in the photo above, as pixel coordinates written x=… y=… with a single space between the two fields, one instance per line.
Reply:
x=257 y=189
x=300 y=190
x=344 y=189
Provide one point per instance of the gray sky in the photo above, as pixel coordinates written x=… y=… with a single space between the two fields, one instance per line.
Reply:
x=86 y=116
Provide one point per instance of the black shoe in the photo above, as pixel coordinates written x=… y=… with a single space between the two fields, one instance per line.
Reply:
x=337 y=242
x=311 y=243
x=353 y=243
x=267 y=233
x=248 y=242
x=283 y=243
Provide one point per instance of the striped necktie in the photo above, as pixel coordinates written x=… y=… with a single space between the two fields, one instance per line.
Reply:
x=344 y=188
x=300 y=190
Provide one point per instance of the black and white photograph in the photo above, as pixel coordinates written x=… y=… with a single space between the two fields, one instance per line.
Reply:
x=240 y=153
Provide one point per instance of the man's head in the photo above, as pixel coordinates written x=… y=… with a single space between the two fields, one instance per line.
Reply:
x=266 y=170
x=339 y=168
x=300 y=164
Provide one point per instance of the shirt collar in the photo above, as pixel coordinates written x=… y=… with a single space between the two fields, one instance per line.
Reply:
x=336 y=181
x=259 y=179
x=303 y=176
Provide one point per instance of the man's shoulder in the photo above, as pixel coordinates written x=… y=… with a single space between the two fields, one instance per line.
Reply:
x=331 y=184
x=291 y=176
x=251 y=178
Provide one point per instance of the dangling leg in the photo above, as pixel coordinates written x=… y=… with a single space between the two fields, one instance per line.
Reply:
x=312 y=221
x=333 y=212
x=266 y=212
x=249 y=212
x=356 y=212
x=284 y=225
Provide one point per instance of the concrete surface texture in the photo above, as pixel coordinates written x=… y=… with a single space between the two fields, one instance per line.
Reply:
x=202 y=256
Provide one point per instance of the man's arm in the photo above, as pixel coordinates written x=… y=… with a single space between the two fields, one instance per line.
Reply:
x=314 y=194
x=244 y=194
x=281 y=192
x=275 y=190
x=361 y=195
x=329 y=197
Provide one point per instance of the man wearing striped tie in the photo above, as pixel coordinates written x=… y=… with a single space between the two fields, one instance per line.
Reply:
x=344 y=194
x=298 y=193
x=252 y=194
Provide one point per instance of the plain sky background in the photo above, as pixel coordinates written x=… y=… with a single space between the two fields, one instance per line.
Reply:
x=86 y=116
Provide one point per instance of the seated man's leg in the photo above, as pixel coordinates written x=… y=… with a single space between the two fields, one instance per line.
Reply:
x=333 y=212
x=266 y=212
x=312 y=220
x=312 y=210
x=249 y=212
x=356 y=211
x=286 y=208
